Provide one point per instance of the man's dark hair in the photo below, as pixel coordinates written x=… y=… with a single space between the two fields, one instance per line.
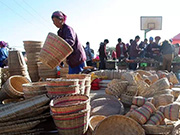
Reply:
x=119 y=40
x=106 y=40
x=87 y=43
x=137 y=37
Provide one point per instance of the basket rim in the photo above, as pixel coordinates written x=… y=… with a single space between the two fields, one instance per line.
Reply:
x=9 y=81
x=69 y=95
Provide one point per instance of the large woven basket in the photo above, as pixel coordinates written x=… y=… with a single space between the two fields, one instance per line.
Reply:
x=118 y=125
x=69 y=104
x=72 y=124
x=54 y=51
x=13 y=86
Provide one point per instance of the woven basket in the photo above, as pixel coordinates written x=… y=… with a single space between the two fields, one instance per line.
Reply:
x=19 y=127
x=144 y=89
x=54 y=91
x=130 y=77
x=161 y=84
x=153 y=78
x=170 y=111
x=43 y=116
x=163 y=99
x=69 y=104
x=13 y=86
x=175 y=92
x=72 y=124
x=61 y=82
x=143 y=72
x=172 y=78
x=156 y=118
x=117 y=87
x=158 y=129
x=94 y=120
x=139 y=101
x=18 y=109
x=122 y=125
x=54 y=51
x=165 y=91
x=142 y=114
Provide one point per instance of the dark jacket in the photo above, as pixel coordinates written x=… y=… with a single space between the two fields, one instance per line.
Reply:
x=78 y=55
x=118 y=50
x=102 y=51
x=133 y=52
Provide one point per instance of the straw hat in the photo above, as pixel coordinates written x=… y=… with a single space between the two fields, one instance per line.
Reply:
x=118 y=125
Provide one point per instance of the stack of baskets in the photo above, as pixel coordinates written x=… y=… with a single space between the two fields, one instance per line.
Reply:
x=54 y=51
x=84 y=82
x=46 y=72
x=61 y=87
x=17 y=64
x=71 y=114
x=12 y=88
x=32 y=49
x=23 y=117
x=33 y=89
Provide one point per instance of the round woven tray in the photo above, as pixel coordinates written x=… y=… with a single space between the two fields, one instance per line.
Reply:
x=118 y=125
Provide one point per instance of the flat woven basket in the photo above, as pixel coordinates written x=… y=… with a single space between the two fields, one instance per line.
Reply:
x=118 y=125
x=69 y=104
x=19 y=127
x=12 y=111
x=158 y=129
x=54 y=51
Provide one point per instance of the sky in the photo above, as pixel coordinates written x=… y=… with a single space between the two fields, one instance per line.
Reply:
x=92 y=20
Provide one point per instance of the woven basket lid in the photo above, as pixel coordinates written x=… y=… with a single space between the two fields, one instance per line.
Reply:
x=118 y=125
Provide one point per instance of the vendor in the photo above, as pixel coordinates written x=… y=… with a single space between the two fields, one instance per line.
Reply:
x=3 y=54
x=77 y=59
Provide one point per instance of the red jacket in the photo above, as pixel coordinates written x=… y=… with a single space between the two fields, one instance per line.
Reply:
x=118 y=50
x=114 y=55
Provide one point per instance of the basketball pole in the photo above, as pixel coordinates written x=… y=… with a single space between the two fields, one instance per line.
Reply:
x=145 y=32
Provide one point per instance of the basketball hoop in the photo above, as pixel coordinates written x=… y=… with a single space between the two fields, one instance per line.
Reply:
x=149 y=23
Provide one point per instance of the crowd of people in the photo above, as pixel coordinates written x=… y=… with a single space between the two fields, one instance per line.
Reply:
x=163 y=52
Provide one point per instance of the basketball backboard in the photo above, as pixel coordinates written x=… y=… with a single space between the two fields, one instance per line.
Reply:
x=151 y=22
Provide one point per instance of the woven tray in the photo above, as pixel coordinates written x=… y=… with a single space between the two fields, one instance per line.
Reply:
x=118 y=125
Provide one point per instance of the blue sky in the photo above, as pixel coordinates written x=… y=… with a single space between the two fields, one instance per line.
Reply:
x=93 y=20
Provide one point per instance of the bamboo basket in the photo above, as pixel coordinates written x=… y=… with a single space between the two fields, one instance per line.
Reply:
x=54 y=51
x=69 y=104
x=72 y=124
x=94 y=120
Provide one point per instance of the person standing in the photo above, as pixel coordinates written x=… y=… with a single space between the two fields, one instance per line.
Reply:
x=133 y=54
x=88 y=54
x=103 y=54
x=121 y=50
x=149 y=48
x=143 y=46
x=114 y=55
x=76 y=60
x=3 y=54
x=156 y=49
x=167 y=50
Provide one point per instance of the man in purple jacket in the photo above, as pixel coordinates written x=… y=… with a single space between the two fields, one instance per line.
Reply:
x=76 y=60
